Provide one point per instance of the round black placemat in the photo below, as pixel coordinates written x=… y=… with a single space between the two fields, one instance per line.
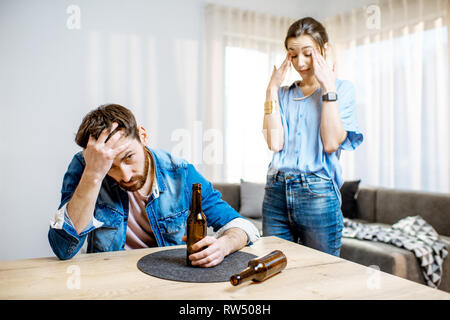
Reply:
x=171 y=265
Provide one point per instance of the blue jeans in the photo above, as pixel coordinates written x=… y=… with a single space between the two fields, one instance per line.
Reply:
x=303 y=208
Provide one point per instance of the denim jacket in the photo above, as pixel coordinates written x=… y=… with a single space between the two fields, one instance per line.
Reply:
x=167 y=210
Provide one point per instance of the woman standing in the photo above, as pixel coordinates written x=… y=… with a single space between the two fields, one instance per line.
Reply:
x=307 y=125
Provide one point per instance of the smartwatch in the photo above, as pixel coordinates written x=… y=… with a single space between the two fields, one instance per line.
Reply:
x=330 y=96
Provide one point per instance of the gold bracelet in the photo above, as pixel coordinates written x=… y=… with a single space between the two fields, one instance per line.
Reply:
x=270 y=106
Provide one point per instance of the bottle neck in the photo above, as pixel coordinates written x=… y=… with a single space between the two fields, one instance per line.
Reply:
x=196 y=201
x=245 y=275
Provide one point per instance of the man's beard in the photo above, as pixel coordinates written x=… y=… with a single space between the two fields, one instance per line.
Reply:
x=140 y=179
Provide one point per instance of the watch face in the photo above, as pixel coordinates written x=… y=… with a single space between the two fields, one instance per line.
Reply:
x=330 y=96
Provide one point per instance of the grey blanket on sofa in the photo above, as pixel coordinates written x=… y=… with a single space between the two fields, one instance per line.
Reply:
x=411 y=233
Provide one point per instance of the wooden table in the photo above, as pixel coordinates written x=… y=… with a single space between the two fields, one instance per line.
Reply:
x=309 y=274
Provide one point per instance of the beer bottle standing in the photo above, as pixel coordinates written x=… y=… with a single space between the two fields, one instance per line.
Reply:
x=196 y=228
x=261 y=268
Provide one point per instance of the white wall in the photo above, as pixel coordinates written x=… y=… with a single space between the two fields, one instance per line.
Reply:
x=145 y=55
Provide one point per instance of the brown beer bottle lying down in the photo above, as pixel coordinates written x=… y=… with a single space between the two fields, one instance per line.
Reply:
x=196 y=226
x=261 y=268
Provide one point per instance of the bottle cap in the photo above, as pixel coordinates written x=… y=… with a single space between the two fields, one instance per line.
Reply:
x=196 y=186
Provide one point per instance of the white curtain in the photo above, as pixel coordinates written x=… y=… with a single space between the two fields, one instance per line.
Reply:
x=241 y=48
x=396 y=54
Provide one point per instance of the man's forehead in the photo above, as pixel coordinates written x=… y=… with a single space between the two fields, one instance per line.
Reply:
x=133 y=146
x=116 y=131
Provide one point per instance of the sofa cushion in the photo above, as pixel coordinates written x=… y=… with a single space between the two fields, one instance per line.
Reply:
x=252 y=196
x=348 y=192
x=434 y=208
x=445 y=278
x=365 y=201
x=231 y=193
x=388 y=258
x=392 y=259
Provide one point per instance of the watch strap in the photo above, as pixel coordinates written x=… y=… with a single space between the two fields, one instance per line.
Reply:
x=330 y=96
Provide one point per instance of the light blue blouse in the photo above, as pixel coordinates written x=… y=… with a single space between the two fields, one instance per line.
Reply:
x=303 y=149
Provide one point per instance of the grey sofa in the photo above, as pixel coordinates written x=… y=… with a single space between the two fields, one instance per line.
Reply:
x=383 y=207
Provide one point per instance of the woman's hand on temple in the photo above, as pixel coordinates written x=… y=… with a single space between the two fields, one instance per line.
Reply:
x=325 y=75
x=279 y=74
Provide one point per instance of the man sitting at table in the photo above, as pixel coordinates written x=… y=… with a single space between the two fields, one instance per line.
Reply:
x=120 y=194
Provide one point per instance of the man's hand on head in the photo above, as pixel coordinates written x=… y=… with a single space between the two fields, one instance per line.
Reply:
x=99 y=154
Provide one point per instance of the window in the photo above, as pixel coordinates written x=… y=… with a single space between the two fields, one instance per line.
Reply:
x=402 y=103
x=247 y=73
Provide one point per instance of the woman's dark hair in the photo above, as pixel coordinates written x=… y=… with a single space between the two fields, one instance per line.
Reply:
x=308 y=26
x=102 y=118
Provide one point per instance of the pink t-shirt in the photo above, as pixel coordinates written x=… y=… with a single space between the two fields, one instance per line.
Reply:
x=139 y=231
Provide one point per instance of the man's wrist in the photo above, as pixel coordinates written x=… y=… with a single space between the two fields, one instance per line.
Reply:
x=233 y=239
x=225 y=241
x=92 y=178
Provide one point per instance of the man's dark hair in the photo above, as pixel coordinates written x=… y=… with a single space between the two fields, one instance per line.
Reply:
x=102 y=118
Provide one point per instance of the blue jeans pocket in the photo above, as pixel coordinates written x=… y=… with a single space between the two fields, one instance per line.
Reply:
x=319 y=187
x=269 y=181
